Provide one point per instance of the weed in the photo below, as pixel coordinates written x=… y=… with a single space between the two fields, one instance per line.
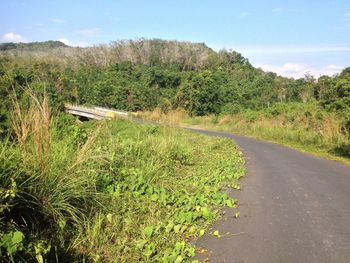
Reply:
x=111 y=191
x=304 y=126
x=165 y=188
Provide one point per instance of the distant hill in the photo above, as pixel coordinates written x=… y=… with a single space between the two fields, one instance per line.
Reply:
x=185 y=55
x=32 y=46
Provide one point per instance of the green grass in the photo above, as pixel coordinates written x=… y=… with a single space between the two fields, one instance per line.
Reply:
x=113 y=191
x=46 y=194
x=165 y=186
x=305 y=127
x=298 y=139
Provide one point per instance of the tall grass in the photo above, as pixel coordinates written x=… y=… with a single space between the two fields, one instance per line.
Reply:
x=304 y=126
x=54 y=184
x=31 y=121
x=165 y=187
x=108 y=191
x=173 y=117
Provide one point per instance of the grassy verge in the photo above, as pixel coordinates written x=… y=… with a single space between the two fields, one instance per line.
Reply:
x=166 y=187
x=109 y=191
x=305 y=127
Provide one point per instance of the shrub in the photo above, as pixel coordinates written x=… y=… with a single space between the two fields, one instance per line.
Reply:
x=47 y=186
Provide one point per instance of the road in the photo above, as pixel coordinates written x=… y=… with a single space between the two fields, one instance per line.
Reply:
x=294 y=207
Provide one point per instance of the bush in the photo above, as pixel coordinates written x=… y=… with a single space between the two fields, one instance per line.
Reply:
x=165 y=188
x=124 y=192
x=47 y=186
x=230 y=109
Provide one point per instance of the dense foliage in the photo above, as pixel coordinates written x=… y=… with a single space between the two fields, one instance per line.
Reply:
x=305 y=126
x=161 y=187
x=33 y=46
x=142 y=75
x=109 y=192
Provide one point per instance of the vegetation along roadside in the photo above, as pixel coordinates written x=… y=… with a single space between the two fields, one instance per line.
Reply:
x=108 y=191
x=306 y=127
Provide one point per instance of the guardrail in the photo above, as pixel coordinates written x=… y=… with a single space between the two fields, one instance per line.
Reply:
x=95 y=112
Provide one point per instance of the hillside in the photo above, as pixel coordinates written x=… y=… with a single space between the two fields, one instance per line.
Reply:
x=140 y=75
x=163 y=66
x=162 y=186
x=32 y=46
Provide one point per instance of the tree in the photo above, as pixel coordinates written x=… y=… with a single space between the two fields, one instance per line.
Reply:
x=203 y=95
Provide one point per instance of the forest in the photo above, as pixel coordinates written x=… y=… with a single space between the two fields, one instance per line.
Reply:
x=143 y=75
x=147 y=76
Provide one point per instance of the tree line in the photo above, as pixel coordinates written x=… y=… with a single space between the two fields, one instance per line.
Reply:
x=145 y=74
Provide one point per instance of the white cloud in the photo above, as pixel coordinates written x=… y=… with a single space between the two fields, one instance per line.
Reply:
x=73 y=43
x=243 y=14
x=89 y=32
x=334 y=67
x=12 y=37
x=64 y=41
x=296 y=70
x=330 y=70
x=292 y=50
x=57 y=20
x=288 y=69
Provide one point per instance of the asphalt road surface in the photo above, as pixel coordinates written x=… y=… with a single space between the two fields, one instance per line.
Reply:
x=294 y=207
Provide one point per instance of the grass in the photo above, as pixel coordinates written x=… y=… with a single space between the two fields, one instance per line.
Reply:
x=306 y=127
x=108 y=191
x=47 y=187
x=166 y=186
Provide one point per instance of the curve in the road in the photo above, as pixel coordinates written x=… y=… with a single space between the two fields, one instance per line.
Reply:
x=294 y=208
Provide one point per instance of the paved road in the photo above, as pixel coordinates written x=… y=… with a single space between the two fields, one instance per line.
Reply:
x=294 y=208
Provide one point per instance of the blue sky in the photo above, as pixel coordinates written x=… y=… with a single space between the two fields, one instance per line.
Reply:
x=287 y=37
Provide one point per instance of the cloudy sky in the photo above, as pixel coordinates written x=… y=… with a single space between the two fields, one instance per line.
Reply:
x=290 y=38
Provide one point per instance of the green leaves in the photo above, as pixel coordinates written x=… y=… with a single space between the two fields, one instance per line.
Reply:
x=109 y=217
x=8 y=193
x=180 y=246
x=12 y=241
x=148 y=231
x=158 y=190
x=149 y=250
x=216 y=233
x=179 y=253
x=140 y=244
x=186 y=217
x=169 y=227
x=41 y=248
x=177 y=229
x=179 y=259
x=207 y=213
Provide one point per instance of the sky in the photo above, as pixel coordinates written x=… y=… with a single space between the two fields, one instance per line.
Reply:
x=291 y=38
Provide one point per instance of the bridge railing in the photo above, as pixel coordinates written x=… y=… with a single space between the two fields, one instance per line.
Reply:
x=94 y=112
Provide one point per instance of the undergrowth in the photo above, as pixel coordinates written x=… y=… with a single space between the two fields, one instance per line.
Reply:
x=165 y=187
x=307 y=127
x=108 y=191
